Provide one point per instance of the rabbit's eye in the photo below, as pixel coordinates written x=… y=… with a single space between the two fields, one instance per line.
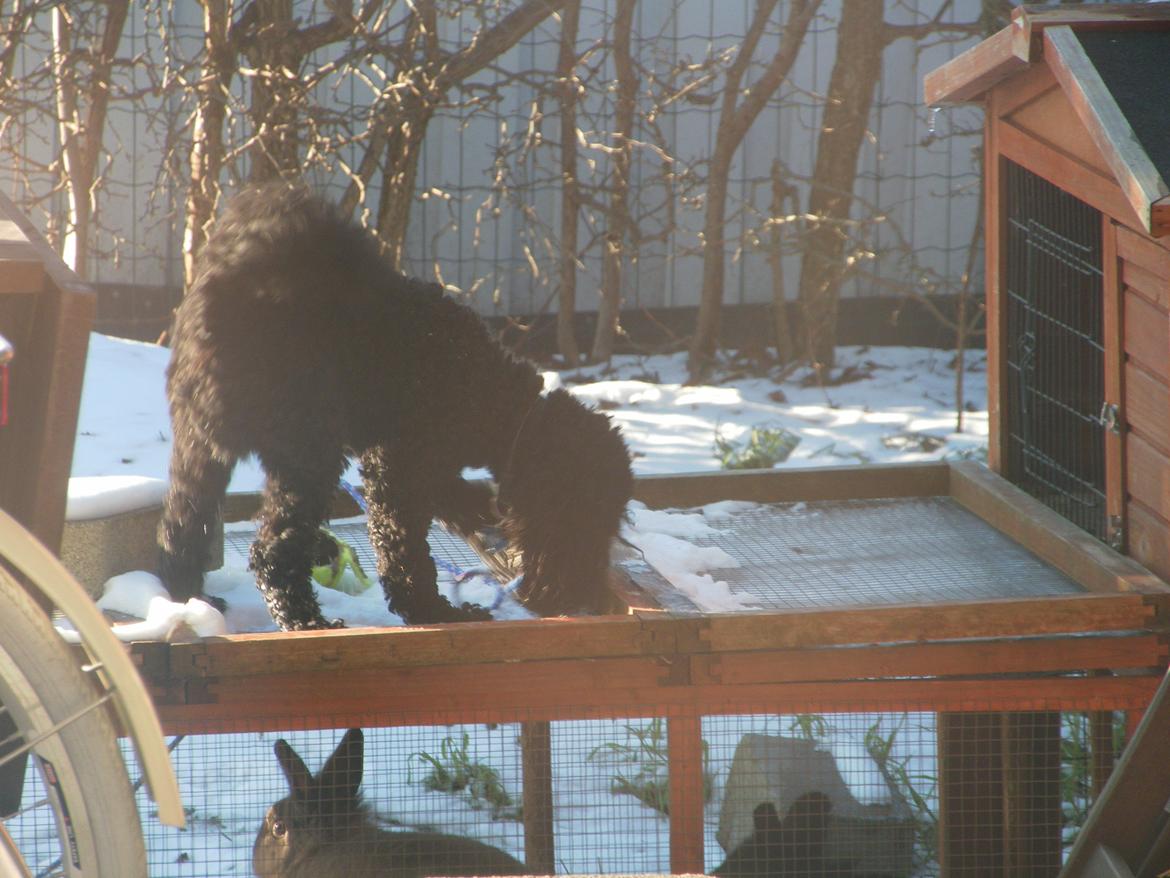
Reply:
x=279 y=829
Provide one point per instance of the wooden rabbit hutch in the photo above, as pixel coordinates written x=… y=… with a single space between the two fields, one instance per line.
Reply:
x=993 y=644
x=1077 y=219
x=1077 y=158
x=989 y=603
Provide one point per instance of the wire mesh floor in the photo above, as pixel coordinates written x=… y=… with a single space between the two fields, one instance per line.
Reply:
x=444 y=547
x=817 y=554
x=866 y=552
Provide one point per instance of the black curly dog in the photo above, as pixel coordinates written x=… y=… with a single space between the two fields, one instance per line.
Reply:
x=299 y=342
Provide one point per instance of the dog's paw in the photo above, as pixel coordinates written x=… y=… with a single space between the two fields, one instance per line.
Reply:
x=319 y=623
x=472 y=613
x=442 y=610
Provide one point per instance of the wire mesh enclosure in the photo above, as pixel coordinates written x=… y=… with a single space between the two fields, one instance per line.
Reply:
x=942 y=737
x=808 y=794
x=1054 y=349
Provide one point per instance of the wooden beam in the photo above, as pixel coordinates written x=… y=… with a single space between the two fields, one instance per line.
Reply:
x=1150 y=255
x=804 y=484
x=1160 y=218
x=1129 y=647
x=1114 y=16
x=1115 y=394
x=1032 y=819
x=969 y=76
x=684 y=742
x=61 y=275
x=995 y=275
x=46 y=376
x=656 y=638
x=1127 y=816
x=21 y=270
x=1050 y=536
x=1110 y=130
x=286 y=702
x=1057 y=167
x=970 y=794
x=958 y=659
x=539 y=837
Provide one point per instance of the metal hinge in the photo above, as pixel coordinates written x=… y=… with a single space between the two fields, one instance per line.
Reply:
x=1110 y=417
x=1115 y=533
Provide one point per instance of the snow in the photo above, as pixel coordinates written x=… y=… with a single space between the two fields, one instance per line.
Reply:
x=100 y=496
x=901 y=409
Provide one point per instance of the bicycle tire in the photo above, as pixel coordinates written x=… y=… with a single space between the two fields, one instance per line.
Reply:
x=57 y=705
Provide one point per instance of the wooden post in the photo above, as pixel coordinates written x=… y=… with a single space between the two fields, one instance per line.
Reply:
x=999 y=794
x=970 y=759
x=46 y=312
x=993 y=252
x=1032 y=808
x=1112 y=331
x=536 y=761
x=685 y=755
x=1101 y=738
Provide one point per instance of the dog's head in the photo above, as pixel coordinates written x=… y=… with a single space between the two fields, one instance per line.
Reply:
x=565 y=494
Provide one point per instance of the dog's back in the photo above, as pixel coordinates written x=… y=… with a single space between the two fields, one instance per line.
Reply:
x=300 y=343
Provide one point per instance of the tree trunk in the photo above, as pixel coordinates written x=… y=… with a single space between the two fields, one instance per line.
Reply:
x=82 y=131
x=781 y=193
x=860 y=43
x=617 y=219
x=403 y=152
x=207 y=144
x=275 y=147
x=734 y=122
x=408 y=104
x=570 y=195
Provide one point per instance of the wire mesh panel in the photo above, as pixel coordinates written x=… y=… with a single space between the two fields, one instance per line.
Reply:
x=895 y=793
x=1055 y=353
x=442 y=800
x=885 y=793
x=842 y=553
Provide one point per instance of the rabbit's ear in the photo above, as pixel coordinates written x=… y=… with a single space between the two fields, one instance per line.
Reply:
x=341 y=776
x=295 y=771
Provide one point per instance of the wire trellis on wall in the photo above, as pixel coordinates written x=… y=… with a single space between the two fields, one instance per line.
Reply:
x=489 y=188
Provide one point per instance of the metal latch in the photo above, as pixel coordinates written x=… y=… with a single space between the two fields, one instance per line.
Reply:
x=1110 y=417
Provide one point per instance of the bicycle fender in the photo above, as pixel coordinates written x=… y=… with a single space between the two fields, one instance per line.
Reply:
x=131 y=700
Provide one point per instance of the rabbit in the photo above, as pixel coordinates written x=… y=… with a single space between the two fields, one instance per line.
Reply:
x=795 y=847
x=323 y=829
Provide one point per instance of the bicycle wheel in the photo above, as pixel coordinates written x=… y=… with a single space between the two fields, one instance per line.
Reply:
x=84 y=822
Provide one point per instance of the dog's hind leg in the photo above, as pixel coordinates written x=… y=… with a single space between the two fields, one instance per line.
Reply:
x=297 y=495
x=400 y=502
x=464 y=507
x=198 y=482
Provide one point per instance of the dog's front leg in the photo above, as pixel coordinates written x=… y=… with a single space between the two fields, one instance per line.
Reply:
x=198 y=482
x=295 y=502
x=400 y=507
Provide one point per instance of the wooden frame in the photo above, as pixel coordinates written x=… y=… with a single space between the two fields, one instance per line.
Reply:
x=1050 y=110
x=46 y=311
x=960 y=659
x=1043 y=37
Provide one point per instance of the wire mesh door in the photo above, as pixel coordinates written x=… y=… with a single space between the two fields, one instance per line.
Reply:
x=1055 y=352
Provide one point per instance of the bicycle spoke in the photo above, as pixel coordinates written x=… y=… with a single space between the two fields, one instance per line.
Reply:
x=29 y=746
